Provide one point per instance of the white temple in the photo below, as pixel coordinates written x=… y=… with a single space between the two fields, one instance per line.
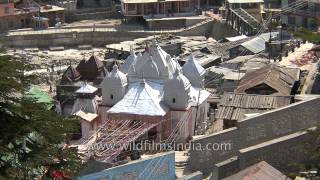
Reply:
x=150 y=97
x=153 y=87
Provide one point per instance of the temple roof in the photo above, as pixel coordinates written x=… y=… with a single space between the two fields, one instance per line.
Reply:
x=141 y=99
x=117 y=74
x=70 y=75
x=128 y=61
x=91 y=68
x=194 y=72
x=193 y=67
x=182 y=79
x=159 y=59
x=87 y=89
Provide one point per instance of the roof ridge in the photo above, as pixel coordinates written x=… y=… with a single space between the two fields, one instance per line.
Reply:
x=147 y=87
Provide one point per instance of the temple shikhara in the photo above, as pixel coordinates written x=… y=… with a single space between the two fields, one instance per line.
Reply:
x=149 y=97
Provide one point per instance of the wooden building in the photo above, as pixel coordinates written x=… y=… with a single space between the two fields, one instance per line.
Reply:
x=270 y=80
x=235 y=107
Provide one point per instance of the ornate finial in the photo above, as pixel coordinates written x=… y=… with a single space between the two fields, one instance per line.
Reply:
x=143 y=80
x=154 y=42
x=131 y=50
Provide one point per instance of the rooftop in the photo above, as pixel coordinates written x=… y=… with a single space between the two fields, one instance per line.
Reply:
x=236 y=106
x=143 y=98
x=261 y=170
x=87 y=89
x=280 y=79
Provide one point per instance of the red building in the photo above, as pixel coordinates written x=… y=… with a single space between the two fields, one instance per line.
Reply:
x=6 y=8
x=22 y=14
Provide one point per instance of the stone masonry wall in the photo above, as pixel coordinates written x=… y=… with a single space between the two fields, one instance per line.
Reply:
x=256 y=130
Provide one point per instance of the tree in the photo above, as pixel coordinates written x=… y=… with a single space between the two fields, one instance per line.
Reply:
x=32 y=137
x=307 y=35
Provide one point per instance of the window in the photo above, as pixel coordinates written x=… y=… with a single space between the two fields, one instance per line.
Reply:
x=174 y=100
x=111 y=96
x=6 y=10
x=131 y=7
x=291 y=20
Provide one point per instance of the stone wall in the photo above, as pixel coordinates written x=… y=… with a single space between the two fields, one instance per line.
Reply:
x=255 y=130
x=222 y=30
x=67 y=38
x=202 y=29
x=282 y=153
x=87 y=35
x=194 y=176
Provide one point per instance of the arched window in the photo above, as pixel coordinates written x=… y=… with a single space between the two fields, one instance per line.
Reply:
x=111 y=96
x=173 y=100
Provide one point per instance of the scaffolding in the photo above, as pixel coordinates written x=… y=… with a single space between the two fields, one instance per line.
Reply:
x=112 y=138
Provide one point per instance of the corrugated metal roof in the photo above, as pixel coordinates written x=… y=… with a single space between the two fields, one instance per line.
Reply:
x=258 y=44
x=236 y=38
x=40 y=96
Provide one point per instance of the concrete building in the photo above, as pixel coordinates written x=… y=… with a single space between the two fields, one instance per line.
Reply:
x=25 y=15
x=305 y=16
x=154 y=8
x=245 y=16
x=6 y=8
x=11 y=18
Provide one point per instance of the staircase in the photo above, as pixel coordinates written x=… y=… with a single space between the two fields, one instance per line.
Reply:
x=246 y=18
x=181 y=163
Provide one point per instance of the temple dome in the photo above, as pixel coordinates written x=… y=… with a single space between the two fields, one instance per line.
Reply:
x=116 y=74
x=149 y=69
x=160 y=61
x=194 y=72
x=114 y=86
x=128 y=62
x=181 y=80
x=177 y=90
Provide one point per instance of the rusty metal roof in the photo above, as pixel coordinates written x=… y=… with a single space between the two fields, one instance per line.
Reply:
x=261 y=170
x=281 y=79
